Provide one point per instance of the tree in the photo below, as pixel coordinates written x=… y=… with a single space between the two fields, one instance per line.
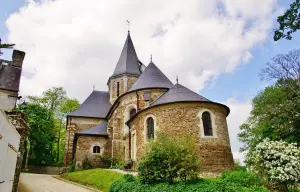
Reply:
x=289 y=22
x=283 y=66
x=275 y=115
x=277 y=162
x=5 y=46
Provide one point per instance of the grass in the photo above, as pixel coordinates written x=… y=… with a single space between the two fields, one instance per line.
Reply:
x=96 y=178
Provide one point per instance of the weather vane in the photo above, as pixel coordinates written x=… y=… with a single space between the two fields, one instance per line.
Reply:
x=128 y=24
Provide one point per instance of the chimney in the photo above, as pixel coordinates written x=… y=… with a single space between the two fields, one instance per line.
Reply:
x=17 y=58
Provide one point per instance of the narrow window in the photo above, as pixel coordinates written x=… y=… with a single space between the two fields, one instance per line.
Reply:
x=207 y=124
x=118 y=89
x=132 y=113
x=150 y=128
x=96 y=149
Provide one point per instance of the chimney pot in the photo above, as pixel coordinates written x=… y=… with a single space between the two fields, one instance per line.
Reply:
x=17 y=58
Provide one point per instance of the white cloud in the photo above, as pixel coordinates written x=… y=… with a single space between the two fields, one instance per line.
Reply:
x=75 y=43
x=239 y=112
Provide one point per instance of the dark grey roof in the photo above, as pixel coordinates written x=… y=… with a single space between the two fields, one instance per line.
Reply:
x=100 y=129
x=96 y=105
x=152 y=77
x=128 y=62
x=178 y=93
x=10 y=76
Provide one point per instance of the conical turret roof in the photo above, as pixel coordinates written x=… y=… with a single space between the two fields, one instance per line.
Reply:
x=128 y=62
x=152 y=77
x=178 y=93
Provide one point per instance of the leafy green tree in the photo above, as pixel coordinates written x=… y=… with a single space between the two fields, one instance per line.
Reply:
x=275 y=115
x=40 y=137
x=289 y=22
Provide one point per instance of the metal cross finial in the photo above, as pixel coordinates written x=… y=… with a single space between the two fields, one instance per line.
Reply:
x=93 y=87
x=151 y=58
x=128 y=24
x=177 y=79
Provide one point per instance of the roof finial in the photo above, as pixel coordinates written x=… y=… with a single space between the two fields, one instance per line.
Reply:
x=128 y=24
x=93 y=87
x=177 y=79
x=151 y=58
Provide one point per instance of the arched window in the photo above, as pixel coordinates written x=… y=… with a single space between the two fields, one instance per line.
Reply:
x=118 y=89
x=150 y=128
x=132 y=113
x=207 y=126
x=96 y=149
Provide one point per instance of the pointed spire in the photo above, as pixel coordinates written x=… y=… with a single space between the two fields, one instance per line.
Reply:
x=128 y=62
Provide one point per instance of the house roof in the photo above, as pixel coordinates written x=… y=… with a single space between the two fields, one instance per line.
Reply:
x=10 y=76
x=128 y=62
x=96 y=105
x=99 y=130
x=152 y=77
x=178 y=93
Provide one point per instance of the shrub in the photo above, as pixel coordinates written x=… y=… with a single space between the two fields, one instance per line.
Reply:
x=71 y=167
x=277 y=162
x=238 y=166
x=241 y=178
x=169 y=158
x=86 y=164
x=108 y=161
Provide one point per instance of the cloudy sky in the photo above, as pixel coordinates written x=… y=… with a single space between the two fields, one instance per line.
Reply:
x=216 y=47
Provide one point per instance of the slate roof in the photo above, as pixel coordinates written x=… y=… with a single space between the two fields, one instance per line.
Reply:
x=128 y=62
x=152 y=77
x=178 y=93
x=96 y=105
x=99 y=130
x=10 y=76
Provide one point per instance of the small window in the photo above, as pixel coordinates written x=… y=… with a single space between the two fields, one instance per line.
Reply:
x=96 y=149
x=132 y=113
x=150 y=128
x=207 y=124
x=118 y=89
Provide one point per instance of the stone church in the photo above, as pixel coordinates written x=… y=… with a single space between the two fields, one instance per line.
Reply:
x=139 y=102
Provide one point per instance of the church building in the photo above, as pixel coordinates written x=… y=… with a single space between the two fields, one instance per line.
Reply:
x=141 y=101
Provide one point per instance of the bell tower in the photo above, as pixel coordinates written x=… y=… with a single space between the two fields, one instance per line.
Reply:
x=127 y=71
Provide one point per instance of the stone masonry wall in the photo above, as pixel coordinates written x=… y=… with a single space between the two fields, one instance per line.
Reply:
x=116 y=122
x=215 y=153
x=85 y=146
x=74 y=124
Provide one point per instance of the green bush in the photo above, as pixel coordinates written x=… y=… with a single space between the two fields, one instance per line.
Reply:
x=200 y=185
x=86 y=164
x=242 y=178
x=71 y=167
x=108 y=161
x=170 y=158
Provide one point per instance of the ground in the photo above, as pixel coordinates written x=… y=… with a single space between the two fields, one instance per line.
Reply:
x=46 y=183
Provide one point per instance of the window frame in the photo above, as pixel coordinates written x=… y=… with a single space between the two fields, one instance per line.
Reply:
x=95 y=147
x=213 y=124
x=155 y=128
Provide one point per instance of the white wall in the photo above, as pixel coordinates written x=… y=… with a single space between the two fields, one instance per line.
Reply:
x=7 y=102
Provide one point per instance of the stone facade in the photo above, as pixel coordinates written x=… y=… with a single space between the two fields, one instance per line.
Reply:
x=214 y=152
x=85 y=146
x=74 y=124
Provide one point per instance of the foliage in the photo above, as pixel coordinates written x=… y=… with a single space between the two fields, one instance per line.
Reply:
x=277 y=162
x=275 y=115
x=238 y=166
x=242 y=178
x=47 y=133
x=200 y=185
x=170 y=157
x=97 y=178
x=71 y=167
x=108 y=161
x=40 y=136
x=289 y=22
x=86 y=164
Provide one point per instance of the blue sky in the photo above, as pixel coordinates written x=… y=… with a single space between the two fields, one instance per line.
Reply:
x=79 y=48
